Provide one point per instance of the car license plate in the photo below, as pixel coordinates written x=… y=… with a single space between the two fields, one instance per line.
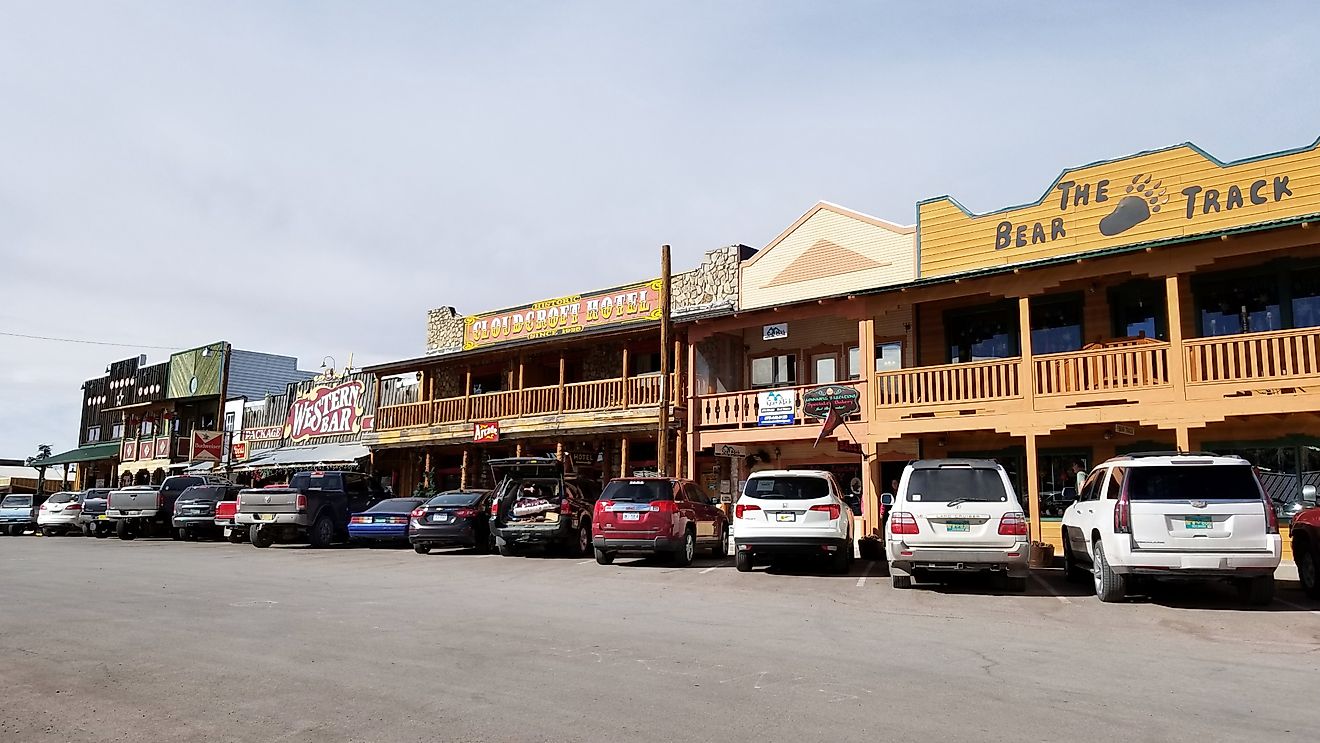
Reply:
x=1196 y=522
x=957 y=526
x=265 y=517
x=439 y=518
x=632 y=516
x=102 y=517
x=787 y=516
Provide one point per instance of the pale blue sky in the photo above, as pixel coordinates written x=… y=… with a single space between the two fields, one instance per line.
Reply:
x=308 y=178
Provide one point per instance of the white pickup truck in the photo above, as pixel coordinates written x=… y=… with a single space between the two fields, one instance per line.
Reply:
x=1168 y=515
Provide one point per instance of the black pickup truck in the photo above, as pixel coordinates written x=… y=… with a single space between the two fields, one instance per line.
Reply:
x=313 y=507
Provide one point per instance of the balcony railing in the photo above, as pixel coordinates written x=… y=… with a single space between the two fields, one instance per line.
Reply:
x=742 y=410
x=949 y=384
x=1271 y=355
x=574 y=397
x=1127 y=367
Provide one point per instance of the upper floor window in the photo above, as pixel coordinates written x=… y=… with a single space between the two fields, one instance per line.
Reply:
x=148 y=427
x=117 y=432
x=1239 y=304
x=644 y=363
x=773 y=371
x=888 y=357
x=1056 y=324
x=981 y=333
x=1138 y=310
x=229 y=421
x=93 y=434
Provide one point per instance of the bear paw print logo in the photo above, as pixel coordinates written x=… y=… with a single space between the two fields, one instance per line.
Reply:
x=1144 y=199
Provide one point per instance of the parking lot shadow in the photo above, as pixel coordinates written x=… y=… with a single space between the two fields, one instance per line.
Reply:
x=1043 y=582
x=1217 y=596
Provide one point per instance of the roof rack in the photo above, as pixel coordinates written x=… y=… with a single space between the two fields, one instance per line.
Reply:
x=1141 y=454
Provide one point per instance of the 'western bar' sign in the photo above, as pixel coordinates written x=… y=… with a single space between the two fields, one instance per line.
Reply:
x=1152 y=197
x=565 y=315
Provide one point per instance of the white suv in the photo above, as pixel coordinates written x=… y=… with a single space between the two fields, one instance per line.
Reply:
x=792 y=512
x=1173 y=515
x=956 y=515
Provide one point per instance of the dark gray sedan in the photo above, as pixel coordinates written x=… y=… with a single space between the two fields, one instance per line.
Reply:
x=455 y=518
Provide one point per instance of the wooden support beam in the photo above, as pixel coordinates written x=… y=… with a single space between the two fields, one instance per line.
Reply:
x=626 y=395
x=623 y=457
x=463 y=471
x=1184 y=436
x=1177 y=351
x=521 y=400
x=562 y=368
x=559 y=450
x=1027 y=370
x=1033 y=486
x=467 y=394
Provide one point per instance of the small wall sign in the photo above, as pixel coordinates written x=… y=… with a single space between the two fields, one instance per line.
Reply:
x=774 y=332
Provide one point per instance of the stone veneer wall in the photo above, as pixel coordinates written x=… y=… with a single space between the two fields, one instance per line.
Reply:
x=711 y=285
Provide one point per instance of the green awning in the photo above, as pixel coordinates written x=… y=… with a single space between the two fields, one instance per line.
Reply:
x=84 y=454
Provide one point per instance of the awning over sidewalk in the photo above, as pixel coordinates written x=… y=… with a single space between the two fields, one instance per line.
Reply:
x=306 y=456
x=89 y=453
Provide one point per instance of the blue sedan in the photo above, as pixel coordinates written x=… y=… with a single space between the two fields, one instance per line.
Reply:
x=386 y=521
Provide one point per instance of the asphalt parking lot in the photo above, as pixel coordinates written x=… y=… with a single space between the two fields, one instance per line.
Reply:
x=160 y=640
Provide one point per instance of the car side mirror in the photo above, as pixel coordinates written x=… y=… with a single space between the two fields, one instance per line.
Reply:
x=1308 y=495
x=886 y=499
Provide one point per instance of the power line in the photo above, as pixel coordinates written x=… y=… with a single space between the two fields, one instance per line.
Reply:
x=89 y=343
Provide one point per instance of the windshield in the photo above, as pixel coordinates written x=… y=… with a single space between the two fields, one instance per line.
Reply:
x=955 y=483
x=16 y=501
x=396 y=505
x=787 y=488
x=62 y=498
x=455 y=499
x=638 y=491
x=203 y=492
x=1231 y=482
x=175 y=484
x=90 y=494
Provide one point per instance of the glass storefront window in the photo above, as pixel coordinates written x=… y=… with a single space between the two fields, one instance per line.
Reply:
x=1283 y=472
x=1056 y=325
x=981 y=334
x=1138 y=309
x=1239 y=304
x=1306 y=299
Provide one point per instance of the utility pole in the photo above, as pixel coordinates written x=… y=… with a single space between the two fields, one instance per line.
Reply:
x=225 y=437
x=662 y=439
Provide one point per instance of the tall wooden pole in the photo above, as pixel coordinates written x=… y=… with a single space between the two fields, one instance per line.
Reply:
x=662 y=440
x=220 y=413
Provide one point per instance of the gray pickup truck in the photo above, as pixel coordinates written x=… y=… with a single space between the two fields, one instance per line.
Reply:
x=314 y=507
x=146 y=510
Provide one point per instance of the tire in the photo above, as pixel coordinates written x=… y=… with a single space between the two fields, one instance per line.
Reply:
x=507 y=550
x=181 y=534
x=124 y=530
x=260 y=538
x=901 y=582
x=48 y=531
x=422 y=549
x=841 y=560
x=322 y=533
x=1258 y=591
x=603 y=557
x=583 y=546
x=721 y=548
x=743 y=562
x=1308 y=568
x=1072 y=572
x=682 y=556
x=1109 y=586
x=100 y=532
x=235 y=537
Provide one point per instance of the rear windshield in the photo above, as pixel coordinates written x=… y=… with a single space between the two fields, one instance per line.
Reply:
x=310 y=481
x=787 y=488
x=62 y=497
x=1183 y=482
x=16 y=501
x=209 y=492
x=455 y=499
x=90 y=494
x=638 y=491
x=175 y=484
x=396 y=505
x=955 y=483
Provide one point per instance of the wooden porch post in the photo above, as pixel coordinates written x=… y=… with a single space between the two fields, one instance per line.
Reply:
x=463 y=471
x=522 y=402
x=678 y=455
x=625 y=376
x=517 y=449
x=676 y=391
x=866 y=360
x=1033 y=486
x=422 y=381
x=1177 y=352
x=467 y=394
x=561 y=382
x=426 y=470
x=690 y=394
x=1027 y=372
x=1184 y=438
x=623 y=457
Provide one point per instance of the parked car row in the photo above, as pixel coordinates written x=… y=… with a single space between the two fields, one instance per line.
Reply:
x=1137 y=518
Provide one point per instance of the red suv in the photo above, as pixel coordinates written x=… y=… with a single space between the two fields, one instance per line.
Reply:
x=657 y=514
x=1306 y=544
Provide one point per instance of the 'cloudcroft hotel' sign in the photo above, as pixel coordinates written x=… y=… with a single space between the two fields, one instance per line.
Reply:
x=1152 y=197
x=327 y=410
x=565 y=315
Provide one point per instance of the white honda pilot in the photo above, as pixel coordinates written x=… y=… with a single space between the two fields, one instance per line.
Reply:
x=1173 y=515
x=956 y=515
x=792 y=512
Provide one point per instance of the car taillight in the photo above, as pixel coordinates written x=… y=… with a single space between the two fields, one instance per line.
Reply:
x=1123 y=512
x=160 y=501
x=495 y=508
x=664 y=506
x=1271 y=516
x=300 y=502
x=565 y=506
x=833 y=509
x=73 y=507
x=465 y=513
x=418 y=513
x=1013 y=524
x=43 y=507
x=740 y=509
x=360 y=520
x=904 y=523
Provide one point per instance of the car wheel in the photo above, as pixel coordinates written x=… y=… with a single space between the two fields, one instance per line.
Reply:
x=603 y=557
x=181 y=534
x=507 y=550
x=422 y=549
x=743 y=562
x=683 y=555
x=322 y=533
x=1072 y=572
x=584 y=539
x=1307 y=569
x=124 y=530
x=1258 y=591
x=47 y=531
x=721 y=548
x=1109 y=586
x=260 y=537
x=901 y=582
x=100 y=532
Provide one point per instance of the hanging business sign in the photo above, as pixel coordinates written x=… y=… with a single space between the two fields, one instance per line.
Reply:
x=207 y=446
x=1170 y=194
x=326 y=410
x=732 y=451
x=774 y=332
x=263 y=433
x=566 y=315
x=485 y=432
x=818 y=401
x=238 y=451
x=776 y=407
